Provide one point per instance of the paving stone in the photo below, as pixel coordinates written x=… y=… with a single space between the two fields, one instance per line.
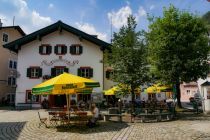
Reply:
x=24 y=125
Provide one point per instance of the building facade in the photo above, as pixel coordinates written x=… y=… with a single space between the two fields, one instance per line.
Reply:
x=8 y=63
x=188 y=90
x=51 y=51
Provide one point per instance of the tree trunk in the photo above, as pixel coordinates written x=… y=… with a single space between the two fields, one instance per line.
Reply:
x=178 y=94
x=133 y=101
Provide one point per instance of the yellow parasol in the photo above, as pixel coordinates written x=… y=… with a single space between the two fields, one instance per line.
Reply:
x=117 y=88
x=65 y=84
x=158 y=88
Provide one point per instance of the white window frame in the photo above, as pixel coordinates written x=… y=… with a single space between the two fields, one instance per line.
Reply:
x=12 y=79
x=34 y=98
x=13 y=63
x=3 y=37
x=59 y=49
x=44 y=49
x=9 y=64
x=77 y=49
x=85 y=72
x=34 y=72
x=59 y=71
x=188 y=93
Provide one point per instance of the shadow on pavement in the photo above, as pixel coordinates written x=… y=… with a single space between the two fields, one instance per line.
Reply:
x=190 y=116
x=11 y=130
x=102 y=127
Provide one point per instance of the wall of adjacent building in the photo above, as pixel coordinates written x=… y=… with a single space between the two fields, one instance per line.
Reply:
x=5 y=56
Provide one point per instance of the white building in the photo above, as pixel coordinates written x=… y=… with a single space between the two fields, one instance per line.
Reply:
x=51 y=51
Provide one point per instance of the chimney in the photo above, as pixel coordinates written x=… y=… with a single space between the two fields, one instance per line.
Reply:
x=1 y=23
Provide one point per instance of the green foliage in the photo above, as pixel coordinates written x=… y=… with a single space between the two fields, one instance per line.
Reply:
x=206 y=17
x=128 y=56
x=178 y=46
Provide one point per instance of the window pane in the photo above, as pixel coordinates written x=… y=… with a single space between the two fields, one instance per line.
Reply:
x=34 y=72
x=29 y=96
x=5 y=37
x=77 y=49
x=10 y=64
x=59 y=49
x=44 y=50
x=15 y=65
x=13 y=81
x=9 y=81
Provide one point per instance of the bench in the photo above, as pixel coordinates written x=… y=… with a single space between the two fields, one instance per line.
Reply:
x=157 y=116
x=113 y=112
x=23 y=106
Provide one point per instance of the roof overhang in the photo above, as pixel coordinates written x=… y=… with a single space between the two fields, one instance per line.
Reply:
x=15 y=45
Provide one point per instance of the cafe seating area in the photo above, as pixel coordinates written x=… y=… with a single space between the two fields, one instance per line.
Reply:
x=61 y=117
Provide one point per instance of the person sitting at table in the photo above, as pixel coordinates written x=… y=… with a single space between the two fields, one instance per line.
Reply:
x=92 y=122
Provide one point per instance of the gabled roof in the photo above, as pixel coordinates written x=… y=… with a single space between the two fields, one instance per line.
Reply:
x=15 y=27
x=207 y=83
x=14 y=45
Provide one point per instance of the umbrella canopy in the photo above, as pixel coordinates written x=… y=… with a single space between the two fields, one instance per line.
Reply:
x=65 y=84
x=117 y=88
x=158 y=88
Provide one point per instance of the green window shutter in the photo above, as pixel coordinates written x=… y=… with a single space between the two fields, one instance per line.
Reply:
x=72 y=47
x=79 y=72
x=53 y=72
x=107 y=74
x=64 y=50
x=40 y=72
x=66 y=70
x=90 y=72
x=40 y=49
x=56 y=49
x=49 y=49
x=80 y=49
x=28 y=72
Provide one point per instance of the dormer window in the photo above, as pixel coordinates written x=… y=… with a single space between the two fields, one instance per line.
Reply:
x=60 y=49
x=76 y=49
x=45 y=49
x=5 y=37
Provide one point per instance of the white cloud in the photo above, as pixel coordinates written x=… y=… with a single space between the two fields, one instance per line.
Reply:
x=38 y=20
x=119 y=18
x=90 y=29
x=29 y=20
x=50 y=6
x=152 y=7
x=141 y=13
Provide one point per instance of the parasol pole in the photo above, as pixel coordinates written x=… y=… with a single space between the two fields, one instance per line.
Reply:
x=69 y=107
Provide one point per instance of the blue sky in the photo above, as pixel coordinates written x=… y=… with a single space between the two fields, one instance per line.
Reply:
x=91 y=16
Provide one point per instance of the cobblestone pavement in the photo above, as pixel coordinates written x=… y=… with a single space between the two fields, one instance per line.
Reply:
x=23 y=125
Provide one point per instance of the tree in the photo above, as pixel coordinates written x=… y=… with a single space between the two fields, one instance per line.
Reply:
x=206 y=17
x=128 y=57
x=178 y=47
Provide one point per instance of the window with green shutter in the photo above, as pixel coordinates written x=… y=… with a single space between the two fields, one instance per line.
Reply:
x=34 y=72
x=76 y=49
x=60 y=49
x=85 y=72
x=45 y=49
